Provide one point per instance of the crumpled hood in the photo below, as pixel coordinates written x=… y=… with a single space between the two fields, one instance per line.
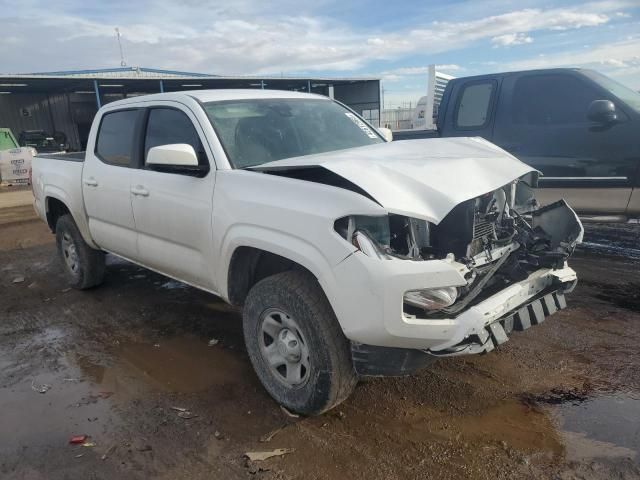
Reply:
x=418 y=178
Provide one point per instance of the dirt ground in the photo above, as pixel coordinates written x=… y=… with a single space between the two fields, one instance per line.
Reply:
x=561 y=400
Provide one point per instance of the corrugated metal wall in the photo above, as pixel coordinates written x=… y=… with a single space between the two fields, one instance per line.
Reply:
x=360 y=96
x=39 y=112
x=72 y=113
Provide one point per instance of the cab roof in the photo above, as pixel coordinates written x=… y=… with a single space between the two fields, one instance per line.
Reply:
x=214 y=95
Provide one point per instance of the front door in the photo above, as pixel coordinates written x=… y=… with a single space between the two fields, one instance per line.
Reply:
x=543 y=121
x=106 y=183
x=172 y=211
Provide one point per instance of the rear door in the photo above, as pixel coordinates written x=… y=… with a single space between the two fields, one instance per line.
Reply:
x=542 y=120
x=173 y=210
x=106 y=179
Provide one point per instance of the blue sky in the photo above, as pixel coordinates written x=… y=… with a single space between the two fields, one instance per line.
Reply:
x=392 y=40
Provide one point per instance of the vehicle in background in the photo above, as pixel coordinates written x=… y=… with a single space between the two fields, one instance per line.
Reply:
x=352 y=256
x=576 y=126
x=44 y=142
x=7 y=140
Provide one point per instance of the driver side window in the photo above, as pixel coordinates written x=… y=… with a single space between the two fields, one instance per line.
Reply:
x=556 y=99
x=167 y=126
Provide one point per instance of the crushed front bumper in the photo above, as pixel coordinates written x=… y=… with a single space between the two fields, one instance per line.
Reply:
x=496 y=333
x=369 y=360
x=367 y=296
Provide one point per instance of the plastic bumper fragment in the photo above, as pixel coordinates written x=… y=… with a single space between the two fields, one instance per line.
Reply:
x=497 y=333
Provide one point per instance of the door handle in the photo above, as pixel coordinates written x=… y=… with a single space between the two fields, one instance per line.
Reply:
x=91 y=182
x=140 y=191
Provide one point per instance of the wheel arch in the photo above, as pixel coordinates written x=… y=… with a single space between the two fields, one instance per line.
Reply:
x=54 y=209
x=248 y=265
x=57 y=204
x=255 y=253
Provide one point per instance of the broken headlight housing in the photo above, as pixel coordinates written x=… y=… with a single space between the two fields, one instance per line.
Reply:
x=385 y=237
x=398 y=237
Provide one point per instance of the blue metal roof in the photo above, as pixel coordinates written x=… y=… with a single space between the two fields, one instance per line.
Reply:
x=124 y=70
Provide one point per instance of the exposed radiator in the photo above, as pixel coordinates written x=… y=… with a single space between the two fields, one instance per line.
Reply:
x=482 y=228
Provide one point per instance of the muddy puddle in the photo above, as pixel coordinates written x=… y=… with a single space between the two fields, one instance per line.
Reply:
x=46 y=408
x=181 y=364
x=606 y=425
x=593 y=425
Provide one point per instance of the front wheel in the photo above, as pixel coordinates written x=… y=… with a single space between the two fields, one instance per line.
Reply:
x=296 y=345
x=84 y=266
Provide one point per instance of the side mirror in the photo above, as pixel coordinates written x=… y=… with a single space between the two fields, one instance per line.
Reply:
x=386 y=134
x=176 y=154
x=177 y=158
x=602 y=111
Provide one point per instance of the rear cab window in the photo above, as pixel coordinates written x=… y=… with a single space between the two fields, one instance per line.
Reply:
x=474 y=107
x=116 y=135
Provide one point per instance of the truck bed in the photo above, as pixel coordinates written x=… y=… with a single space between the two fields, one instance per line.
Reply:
x=69 y=157
x=62 y=181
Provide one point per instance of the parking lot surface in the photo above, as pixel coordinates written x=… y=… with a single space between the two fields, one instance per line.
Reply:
x=129 y=365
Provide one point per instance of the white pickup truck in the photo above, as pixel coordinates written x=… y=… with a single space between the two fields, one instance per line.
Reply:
x=352 y=256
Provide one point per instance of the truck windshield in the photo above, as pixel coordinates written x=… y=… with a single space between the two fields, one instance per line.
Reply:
x=628 y=96
x=258 y=131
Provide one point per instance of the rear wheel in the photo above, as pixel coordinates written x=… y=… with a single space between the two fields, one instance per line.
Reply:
x=296 y=345
x=84 y=266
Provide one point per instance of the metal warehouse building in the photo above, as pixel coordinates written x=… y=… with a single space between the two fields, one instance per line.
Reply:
x=67 y=101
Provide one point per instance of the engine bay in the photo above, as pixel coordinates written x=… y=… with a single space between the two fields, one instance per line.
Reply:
x=502 y=237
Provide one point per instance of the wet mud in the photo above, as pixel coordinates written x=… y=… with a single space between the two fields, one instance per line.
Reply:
x=129 y=365
x=612 y=239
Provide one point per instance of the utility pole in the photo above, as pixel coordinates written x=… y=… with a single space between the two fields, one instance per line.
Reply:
x=122 y=62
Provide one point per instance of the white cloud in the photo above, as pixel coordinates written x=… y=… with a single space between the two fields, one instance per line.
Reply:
x=624 y=51
x=620 y=60
x=424 y=70
x=403 y=73
x=250 y=37
x=449 y=67
x=614 y=62
x=391 y=77
x=411 y=71
x=509 y=39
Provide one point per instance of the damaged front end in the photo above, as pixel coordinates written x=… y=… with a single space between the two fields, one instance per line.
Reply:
x=502 y=237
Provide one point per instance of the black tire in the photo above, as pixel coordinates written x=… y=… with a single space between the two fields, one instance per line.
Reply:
x=84 y=266
x=330 y=377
